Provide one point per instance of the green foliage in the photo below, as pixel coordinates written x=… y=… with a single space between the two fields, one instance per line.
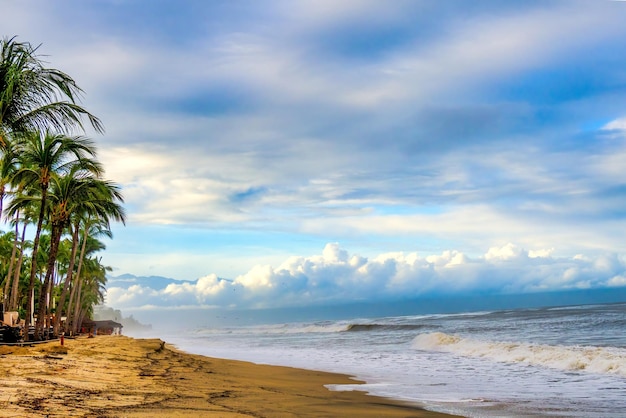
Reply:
x=51 y=180
x=36 y=98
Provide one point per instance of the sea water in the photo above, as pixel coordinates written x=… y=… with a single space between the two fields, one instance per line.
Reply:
x=568 y=361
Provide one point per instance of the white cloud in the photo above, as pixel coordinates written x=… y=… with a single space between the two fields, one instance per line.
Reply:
x=336 y=276
x=616 y=124
x=542 y=253
x=508 y=252
x=617 y=281
x=134 y=295
x=433 y=136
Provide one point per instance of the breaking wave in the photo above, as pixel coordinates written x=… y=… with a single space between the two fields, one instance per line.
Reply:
x=385 y=327
x=333 y=327
x=320 y=327
x=604 y=360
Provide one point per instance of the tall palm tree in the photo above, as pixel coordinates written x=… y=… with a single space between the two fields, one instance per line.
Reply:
x=8 y=167
x=44 y=155
x=38 y=109
x=33 y=97
x=17 y=264
x=76 y=192
x=96 y=207
x=64 y=192
x=89 y=244
x=11 y=263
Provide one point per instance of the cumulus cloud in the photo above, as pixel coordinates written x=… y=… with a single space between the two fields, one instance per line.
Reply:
x=336 y=276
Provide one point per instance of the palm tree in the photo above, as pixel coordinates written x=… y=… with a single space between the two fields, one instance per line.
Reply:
x=76 y=192
x=42 y=157
x=36 y=98
x=91 y=289
x=89 y=244
x=8 y=167
x=65 y=191
x=96 y=207
x=19 y=248
x=38 y=110
x=9 y=276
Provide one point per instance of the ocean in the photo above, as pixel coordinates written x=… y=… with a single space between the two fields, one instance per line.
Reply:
x=561 y=362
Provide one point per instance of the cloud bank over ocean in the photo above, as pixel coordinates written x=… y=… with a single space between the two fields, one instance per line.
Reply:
x=335 y=276
x=244 y=133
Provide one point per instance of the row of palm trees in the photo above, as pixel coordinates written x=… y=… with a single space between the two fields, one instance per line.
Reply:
x=51 y=179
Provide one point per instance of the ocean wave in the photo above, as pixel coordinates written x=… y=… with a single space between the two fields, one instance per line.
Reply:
x=334 y=327
x=604 y=360
x=274 y=329
x=329 y=327
x=385 y=327
x=302 y=328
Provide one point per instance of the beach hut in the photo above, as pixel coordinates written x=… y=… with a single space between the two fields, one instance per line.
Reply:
x=105 y=327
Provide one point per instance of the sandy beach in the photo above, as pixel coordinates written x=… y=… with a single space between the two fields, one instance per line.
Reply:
x=117 y=376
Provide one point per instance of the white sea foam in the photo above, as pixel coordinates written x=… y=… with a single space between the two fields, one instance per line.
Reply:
x=329 y=327
x=338 y=327
x=605 y=360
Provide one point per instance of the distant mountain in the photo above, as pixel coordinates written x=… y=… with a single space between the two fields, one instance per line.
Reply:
x=154 y=282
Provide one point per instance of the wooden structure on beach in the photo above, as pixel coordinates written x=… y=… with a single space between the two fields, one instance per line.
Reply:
x=106 y=327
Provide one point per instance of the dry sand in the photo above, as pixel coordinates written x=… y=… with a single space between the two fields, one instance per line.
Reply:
x=116 y=376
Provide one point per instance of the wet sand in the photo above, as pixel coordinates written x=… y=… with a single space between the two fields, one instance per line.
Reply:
x=116 y=376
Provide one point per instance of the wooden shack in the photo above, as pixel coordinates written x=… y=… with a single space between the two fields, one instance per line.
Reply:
x=105 y=327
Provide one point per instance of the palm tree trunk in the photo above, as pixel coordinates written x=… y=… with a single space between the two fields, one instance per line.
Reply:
x=33 y=264
x=77 y=305
x=18 y=272
x=7 y=284
x=47 y=322
x=68 y=281
x=44 y=295
x=81 y=315
x=69 y=320
x=81 y=258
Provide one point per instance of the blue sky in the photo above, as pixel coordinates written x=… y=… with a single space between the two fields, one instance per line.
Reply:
x=319 y=151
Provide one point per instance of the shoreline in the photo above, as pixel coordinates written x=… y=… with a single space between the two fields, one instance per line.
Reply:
x=119 y=376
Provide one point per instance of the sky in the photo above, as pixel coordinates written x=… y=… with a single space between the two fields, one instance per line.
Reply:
x=292 y=153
